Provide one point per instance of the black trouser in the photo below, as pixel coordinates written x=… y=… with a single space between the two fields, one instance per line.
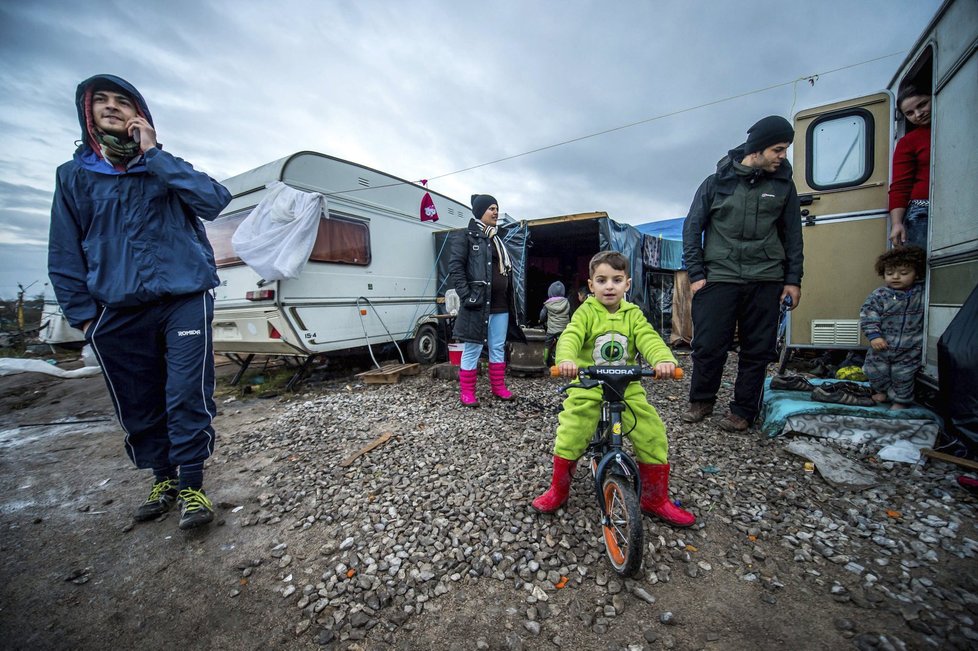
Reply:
x=719 y=310
x=551 y=344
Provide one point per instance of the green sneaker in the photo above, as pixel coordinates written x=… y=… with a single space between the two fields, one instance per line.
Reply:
x=161 y=498
x=195 y=508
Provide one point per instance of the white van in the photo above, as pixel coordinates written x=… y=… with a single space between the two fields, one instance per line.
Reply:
x=371 y=277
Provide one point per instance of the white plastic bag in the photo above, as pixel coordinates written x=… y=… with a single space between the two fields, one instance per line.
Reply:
x=277 y=237
x=13 y=365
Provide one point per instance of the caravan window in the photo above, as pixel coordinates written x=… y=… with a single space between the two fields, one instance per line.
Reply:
x=219 y=233
x=840 y=149
x=340 y=239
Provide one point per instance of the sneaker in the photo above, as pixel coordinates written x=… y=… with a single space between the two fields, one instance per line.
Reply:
x=195 y=508
x=842 y=396
x=734 y=423
x=697 y=411
x=790 y=383
x=161 y=498
x=850 y=387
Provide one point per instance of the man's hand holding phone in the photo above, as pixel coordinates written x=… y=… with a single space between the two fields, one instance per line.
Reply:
x=141 y=131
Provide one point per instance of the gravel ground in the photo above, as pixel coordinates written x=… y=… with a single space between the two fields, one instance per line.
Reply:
x=428 y=541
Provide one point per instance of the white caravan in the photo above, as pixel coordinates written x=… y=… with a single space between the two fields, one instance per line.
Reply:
x=371 y=277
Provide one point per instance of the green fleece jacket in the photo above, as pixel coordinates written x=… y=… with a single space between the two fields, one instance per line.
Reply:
x=744 y=226
x=596 y=337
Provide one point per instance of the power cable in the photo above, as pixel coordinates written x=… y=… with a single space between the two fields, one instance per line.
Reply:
x=809 y=78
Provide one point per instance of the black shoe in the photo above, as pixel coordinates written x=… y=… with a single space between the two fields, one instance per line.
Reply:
x=790 y=383
x=822 y=393
x=195 y=508
x=849 y=387
x=161 y=499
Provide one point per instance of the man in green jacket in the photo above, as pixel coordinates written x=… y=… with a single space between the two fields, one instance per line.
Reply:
x=743 y=249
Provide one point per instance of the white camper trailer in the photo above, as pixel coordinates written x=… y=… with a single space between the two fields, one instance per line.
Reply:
x=369 y=280
x=842 y=159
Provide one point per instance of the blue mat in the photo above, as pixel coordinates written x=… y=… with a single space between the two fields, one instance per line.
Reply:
x=781 y=405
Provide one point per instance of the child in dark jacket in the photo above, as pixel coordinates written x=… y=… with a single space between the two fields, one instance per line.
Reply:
x=892 y=318
x=556 y=312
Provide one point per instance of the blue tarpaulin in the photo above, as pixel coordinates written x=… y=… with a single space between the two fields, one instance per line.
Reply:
x=663 y=244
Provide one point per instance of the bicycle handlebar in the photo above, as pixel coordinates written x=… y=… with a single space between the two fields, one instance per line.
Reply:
x=586 y=372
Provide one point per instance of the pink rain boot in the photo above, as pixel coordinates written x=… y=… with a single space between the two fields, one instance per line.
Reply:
x=466 y=385
x=556 y=495
x=497 y=380
x=655 y=496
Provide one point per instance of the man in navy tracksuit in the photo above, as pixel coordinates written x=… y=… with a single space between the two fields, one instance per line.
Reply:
x=131 y=266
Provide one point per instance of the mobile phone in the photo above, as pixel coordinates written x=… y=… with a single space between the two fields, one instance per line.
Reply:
x=135 y=135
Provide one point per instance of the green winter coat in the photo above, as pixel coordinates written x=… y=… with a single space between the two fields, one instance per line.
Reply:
x=595 y=337
x=744 y=226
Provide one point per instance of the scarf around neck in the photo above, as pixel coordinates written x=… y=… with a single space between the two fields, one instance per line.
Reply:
x=114 y=149
x=504 y=263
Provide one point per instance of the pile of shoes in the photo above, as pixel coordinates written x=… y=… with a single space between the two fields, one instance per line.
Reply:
x=843 y=393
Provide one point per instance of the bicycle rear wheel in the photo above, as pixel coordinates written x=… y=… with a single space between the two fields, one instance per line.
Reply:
x=623 y=528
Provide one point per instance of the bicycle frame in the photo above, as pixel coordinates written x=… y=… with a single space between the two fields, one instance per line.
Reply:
x=605 y=451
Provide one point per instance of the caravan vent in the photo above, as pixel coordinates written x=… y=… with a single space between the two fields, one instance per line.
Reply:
x=841 y=332
x=364 y=182
x=451 y=211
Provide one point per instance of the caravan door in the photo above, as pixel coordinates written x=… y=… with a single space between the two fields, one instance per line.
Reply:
x=841 y=171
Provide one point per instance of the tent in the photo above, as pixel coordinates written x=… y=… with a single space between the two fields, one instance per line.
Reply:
x=666 y=279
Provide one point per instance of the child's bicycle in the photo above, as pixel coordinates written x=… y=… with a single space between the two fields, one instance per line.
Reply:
x=617 y=483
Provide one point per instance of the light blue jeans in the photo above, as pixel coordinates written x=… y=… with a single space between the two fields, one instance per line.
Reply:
x=498 y=324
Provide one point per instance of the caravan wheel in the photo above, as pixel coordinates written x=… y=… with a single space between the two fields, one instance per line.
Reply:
x=424 y=347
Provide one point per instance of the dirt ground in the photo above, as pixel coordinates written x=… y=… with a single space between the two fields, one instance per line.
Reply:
x=76 y=573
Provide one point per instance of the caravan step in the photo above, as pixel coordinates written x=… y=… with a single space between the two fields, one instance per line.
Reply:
x=389 y=374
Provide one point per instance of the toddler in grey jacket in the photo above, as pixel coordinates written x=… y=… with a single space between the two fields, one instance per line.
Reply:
x=892 y=318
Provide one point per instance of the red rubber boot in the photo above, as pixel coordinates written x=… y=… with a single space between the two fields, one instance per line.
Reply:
x=497 y=380
x=556 y=495
x=655 y=496
x=466 y=387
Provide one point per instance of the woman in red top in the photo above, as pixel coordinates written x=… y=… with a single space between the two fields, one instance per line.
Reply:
x=909 y=190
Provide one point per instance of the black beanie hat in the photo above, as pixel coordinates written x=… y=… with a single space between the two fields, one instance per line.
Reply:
x=481 y=203
x=768 y=131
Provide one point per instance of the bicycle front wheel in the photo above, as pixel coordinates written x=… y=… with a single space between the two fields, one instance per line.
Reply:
x=623 y=526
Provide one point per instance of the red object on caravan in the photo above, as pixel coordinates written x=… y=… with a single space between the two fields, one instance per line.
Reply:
x=273 y=333
x=428 y=211
x=261 y=295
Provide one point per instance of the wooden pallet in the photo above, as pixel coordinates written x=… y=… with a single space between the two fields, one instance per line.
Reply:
x=389 y=374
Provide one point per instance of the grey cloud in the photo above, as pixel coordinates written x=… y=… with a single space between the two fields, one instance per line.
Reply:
x=436 y=86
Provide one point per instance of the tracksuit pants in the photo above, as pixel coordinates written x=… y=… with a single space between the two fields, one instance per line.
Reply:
x=158 y=364
x=640 y=422
x=893 y=372
x=719 y=310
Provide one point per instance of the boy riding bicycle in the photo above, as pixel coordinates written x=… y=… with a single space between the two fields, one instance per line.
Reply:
x=607 y=330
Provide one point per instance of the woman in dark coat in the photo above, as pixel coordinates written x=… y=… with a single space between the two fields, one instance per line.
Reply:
x=480 y=271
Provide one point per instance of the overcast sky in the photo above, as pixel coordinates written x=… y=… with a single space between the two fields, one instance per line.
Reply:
x=420 y=89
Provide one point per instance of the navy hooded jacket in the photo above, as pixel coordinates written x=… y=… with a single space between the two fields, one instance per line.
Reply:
x=128 y=237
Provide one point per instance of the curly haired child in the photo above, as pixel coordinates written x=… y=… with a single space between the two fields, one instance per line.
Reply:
x=892 y=318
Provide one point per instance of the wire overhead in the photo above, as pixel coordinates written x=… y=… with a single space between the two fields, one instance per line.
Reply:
x=812 y=78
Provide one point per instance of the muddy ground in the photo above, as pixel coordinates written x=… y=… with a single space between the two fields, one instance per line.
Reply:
x=76 y=573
